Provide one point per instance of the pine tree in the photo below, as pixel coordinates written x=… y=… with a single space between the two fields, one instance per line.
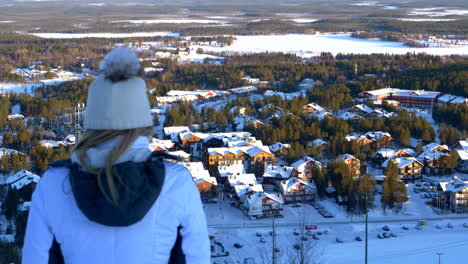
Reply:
x=11 y=203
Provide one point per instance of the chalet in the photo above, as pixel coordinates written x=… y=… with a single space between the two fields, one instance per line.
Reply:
x=296 y=190
x=273 y=173
x=52 y=144
x=161 y=145
x=173 y=132
x=435 y=162
x=436 y=147
x=251 y=80
x=312 y=107
x=360 y=139
x=453 y=195
x=320 y=143
x=350 y=116
x=382 y=155
x=462 y=156
x=279 y=148
x=303 y=168
x=10 y=153
x=379 y=138
x=462 y=145
x=360 y=110
x=207 y=187
x=353 y=163
x=25 y=182
x=15 y=116
x=409 y=168
x=322 y=115
x=378 y=113
x=225 y=171
x=241 y=179
x=262 y=204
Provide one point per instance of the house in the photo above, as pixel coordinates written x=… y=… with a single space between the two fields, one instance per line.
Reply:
x=378 y=113
x=322 y=115
x=52 y=144
x=353 y=163
x=453 y=195
x=173 y=132
x=207 y=185
x=274 y=173
x=15 y=116
x=238 y=110
x=161 y=145
x=297 y=190
x=409 y=168
x=303 y=168
x=462 y=145
x=360 y=139
x=312 y=107
x=241 y=179
x=436 y=147
x=462 y=156
x=69 y=139
x=279 y=148
x=360 y=110
x=9 y=152
x=251 y=80
x=435 y=162
x=262 y=204
x=25 y=182
x=307 y=83
x=350 y=116
x=379 y=138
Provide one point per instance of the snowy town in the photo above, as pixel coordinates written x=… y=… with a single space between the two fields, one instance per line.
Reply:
x=314 y=133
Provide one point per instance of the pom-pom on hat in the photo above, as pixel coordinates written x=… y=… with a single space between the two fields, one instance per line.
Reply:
x=117 y=99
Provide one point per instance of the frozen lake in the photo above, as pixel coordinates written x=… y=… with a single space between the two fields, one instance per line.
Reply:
x=104 y=35
x=310 y=45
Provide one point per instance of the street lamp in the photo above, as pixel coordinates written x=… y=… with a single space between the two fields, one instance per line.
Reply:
x=365 y=260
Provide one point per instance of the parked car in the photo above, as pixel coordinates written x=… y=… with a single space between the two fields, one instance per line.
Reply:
x=238 y=245
x=386 y=228
x=258 y=234
x=316 y=237
x=295 y=205
x=297 y=246
x=418 y=184
x=386 y=235
x=450 y=225
x=465 y=225
x=262 y=240
x=380 y=236
x=358 y=238
x=304 y=238
x=416 y=190
x=393 y=235
x=438 y=226
x=418 y=227
x=405 y=227
x=339 y=240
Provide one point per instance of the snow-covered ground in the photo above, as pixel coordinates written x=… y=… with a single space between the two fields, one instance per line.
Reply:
x=170 y=21
x=410 y=246
x=310 y=45
x=29 y=87
x=105 y=35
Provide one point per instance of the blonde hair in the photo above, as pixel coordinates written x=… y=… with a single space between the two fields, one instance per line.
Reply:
x=92 y=138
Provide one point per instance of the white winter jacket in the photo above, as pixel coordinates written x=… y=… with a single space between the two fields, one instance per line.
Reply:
x=54 y=213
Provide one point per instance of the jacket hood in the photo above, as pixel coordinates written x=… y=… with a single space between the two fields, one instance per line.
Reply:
x=138 y=176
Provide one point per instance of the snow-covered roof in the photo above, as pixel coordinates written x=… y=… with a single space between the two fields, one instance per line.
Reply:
x=453 y=99
x=244 y=89
x=406 y=93
x=289 y=184
x=463 y=154
x=254 y=198
x=322 y=114
x=175 y=130
x=463 y=144
x=249 y=150
x=430 y=155
x=21 y=179
x=277 y=171
x=225 y=171
x=51 y=144
x=211 y=180
x=318 y=142
x=349 y=115
x=70 y=139
x=454 y=185
x=401 y=162
x=242 y=179
x=361 y=107
x=180 y=153
x=7 y=151
x=346 y=157
x=432 y=146
x=314 y=106
x=301 y=163
x=278 y=145
x=243 y=189
x=386 y=152
x=165 y=144
x=236 y=109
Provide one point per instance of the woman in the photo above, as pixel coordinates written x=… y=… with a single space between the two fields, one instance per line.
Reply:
x=115 y=201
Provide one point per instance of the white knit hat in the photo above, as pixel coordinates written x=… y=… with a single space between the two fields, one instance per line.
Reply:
x=117 y=100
